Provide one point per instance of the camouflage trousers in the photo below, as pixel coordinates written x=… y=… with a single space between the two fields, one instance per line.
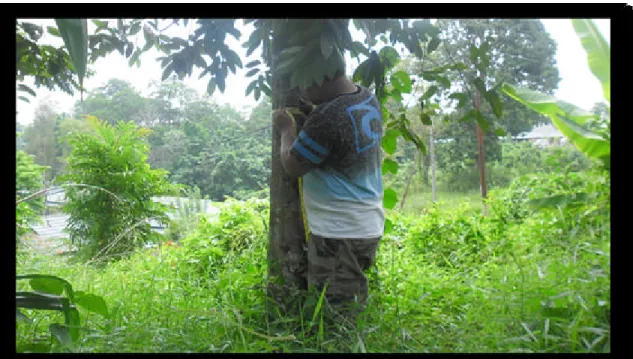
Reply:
x=341 y=264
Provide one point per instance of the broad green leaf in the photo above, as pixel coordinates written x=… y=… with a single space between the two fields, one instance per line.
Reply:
x=462 y=98
x=252 y=72
x=53 y=31
x=61 y=333
x=390 y=141
x=480 y=86
x=91 y=302
x=24 y=99
x=481 y=120
x=494 y=101
x=22 y=317
x=100 y=24
x=396 y=95
x=390 y=54
x=500 y=132
x=430 y=92
x=211 y=86
x=433 y=44
x=75 y=35
x=388 y=226
x=389 y=165
x=425 y=119
x=390 y=198
x=401 y=81
x=327 y=45
x=474 y=54
x=598 y=53
x=251 y=87
x=47 y=285
x=568 y=118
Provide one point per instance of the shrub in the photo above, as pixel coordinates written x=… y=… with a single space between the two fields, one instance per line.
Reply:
x=111 y=208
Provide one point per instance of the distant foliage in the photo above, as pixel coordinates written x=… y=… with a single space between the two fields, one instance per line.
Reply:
x=28 y=179
x=111 y=215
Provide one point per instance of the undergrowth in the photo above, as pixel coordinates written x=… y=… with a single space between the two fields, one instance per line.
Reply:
x=521 y=279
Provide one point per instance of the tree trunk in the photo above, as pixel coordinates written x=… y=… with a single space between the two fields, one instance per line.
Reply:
x=411 y=173
x=481 y=162
x=287 y=255
x=432 y=147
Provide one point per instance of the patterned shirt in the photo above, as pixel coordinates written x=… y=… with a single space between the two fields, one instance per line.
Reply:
x=341 y=143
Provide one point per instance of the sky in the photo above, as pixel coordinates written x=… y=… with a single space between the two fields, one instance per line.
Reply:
x=577 y=86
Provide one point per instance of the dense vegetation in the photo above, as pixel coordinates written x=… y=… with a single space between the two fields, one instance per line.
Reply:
x=530 y=274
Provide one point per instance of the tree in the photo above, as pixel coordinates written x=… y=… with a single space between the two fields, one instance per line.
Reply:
x=295 y=53
x=496 y=50
x=110 y=215
x=41 y=140
x=116 y=101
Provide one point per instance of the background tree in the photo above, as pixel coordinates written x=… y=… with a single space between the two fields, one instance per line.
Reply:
x=40 y=138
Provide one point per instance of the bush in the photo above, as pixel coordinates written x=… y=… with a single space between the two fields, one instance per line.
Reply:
x=113 y=202
x=214 y=243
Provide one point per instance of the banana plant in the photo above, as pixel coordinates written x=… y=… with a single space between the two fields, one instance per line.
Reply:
x=575 y=123
x=572 y=121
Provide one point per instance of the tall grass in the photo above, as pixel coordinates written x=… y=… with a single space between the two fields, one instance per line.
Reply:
x=519 y=280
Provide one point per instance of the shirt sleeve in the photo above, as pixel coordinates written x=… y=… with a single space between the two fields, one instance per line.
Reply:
x=316 y=142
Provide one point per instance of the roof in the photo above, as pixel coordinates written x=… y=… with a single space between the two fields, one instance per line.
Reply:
x=546 y=131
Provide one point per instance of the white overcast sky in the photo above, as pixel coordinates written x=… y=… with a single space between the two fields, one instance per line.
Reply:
x=578 y=85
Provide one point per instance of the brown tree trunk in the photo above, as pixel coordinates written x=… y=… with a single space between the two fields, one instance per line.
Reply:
x=481 y=163
x=287 y=256
x=411 y=173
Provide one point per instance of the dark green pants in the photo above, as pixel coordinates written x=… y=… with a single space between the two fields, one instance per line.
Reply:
x=341 y=263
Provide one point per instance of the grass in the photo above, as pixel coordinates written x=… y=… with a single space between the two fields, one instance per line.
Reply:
x=448 y=281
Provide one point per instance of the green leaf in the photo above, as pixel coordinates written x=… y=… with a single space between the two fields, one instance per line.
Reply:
x=22 y=317
x=252 y=72
x=61 y=333
x=91 y=302
x=568 y=118
x=24 y=99
x=389 y=165
x=327 y=45
x=391 y=56
x=211 y=87
x=388 y=226
x=494 y=101
x=53 y=31
x=390 y=141
x=481 y=120
x=480 y=85
x=390 y=198
x=100 y=24
x=598 y=53
x=251 y=87
x=27 y=89
x=425 y=119
x=253 y=64
x=401 y=81
x=433 y=45
x=75 y=35
x=47 y=285
x=474 y=54
x=500 y=132
x=430 y=92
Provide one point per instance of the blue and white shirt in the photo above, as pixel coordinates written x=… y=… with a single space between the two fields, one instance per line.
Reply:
x=341 y=143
